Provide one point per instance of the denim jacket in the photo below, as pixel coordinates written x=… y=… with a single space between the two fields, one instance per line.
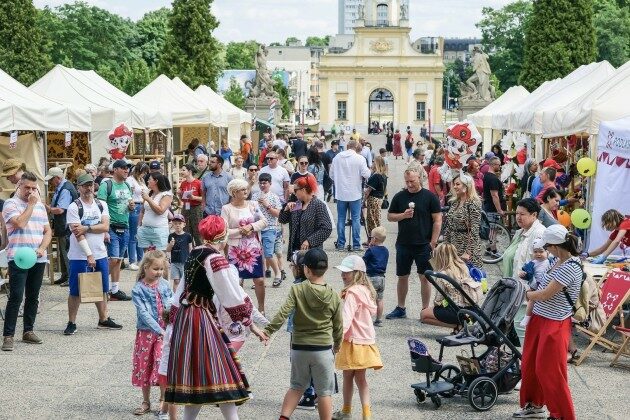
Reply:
x=143 y=298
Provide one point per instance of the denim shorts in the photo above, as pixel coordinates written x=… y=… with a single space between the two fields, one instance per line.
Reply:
x=149 y=236
x=80 y=266
x=118 y=242
x=177 y=271
x=271 y=242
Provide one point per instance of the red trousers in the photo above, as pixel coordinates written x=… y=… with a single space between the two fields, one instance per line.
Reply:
x=544 y=369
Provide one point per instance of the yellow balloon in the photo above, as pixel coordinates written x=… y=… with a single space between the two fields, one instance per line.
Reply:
x=586 y=166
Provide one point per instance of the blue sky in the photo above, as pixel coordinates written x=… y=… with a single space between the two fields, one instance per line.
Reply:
x=275 y=20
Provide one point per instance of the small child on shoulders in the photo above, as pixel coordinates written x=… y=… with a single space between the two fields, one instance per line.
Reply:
x=376 y=258
x=532 y=273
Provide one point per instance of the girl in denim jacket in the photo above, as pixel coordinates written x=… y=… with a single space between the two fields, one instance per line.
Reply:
x=150 y=296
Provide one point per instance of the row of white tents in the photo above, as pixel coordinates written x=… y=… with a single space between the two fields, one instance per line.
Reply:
x=70 y=100
x=575 y=104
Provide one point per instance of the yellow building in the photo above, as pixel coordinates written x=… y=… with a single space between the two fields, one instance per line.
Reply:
x=381 y=77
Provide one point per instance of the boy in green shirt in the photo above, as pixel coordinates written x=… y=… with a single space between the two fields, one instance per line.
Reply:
x=317 y=335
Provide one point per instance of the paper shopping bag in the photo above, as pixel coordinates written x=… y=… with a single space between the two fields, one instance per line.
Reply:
x=91 y=287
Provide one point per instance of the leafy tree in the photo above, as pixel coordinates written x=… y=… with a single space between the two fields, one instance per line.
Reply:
x=291 y=40
x=276 y=44
x=190 y=51
x=22 y=47
x=612 y=27
x=503 y=34
x=452 y=77
x=559 y=38
x=135 y=76
x=235 y=94
x=283 y=95
x=240 y=55
x=151 y=35
x=315 y=41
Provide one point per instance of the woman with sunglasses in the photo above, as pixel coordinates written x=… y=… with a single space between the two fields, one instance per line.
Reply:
x=252 y=179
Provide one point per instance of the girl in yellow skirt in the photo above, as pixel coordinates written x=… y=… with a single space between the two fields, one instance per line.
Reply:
x=358 y=350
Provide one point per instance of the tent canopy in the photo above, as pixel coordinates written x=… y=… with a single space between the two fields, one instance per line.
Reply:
x=218 y=118
x=235 y=114
x=501 y=119
x=511 y=98
x=606 y=102
x=23 y=109
x=166 y=96
x=578 y=82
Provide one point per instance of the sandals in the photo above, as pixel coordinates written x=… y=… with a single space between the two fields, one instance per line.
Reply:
x=144 y=408
x=276 y=282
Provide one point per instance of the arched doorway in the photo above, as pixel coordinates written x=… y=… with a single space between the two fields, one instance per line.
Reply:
x=381 y=108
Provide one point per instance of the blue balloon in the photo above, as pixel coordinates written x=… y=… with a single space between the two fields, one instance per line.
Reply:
x=25 y=257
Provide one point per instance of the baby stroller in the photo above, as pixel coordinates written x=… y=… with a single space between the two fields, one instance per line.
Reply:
x=482 y=377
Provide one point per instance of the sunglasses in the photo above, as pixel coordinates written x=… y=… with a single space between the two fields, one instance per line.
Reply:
x=303 y=163
x=272 y=158
x=253 y=170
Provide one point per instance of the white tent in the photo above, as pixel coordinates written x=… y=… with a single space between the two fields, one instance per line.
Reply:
x=501 y=119
x=605 y=102
x=529 y=119
x=165 y=95
x=506 y=102
x=238 y=121
x=23 y=109
x=217 y=117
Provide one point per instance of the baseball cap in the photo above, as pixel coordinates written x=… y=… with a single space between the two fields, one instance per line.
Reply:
x=85 y=179
x=334 y=143
x=316 y=258
x=179 y=218
x=550 y=163
x=555 y=235
x=488 y=155
x=53 y=172
x=119 y=164
x=539 y=243
x=351 y=263
x=154 y=165
x=12 y=166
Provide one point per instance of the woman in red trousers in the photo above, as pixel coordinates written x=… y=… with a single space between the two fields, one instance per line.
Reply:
x=544 y=371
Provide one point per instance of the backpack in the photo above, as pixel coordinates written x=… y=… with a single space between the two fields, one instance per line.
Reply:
x=80 y=208
x=110 y=186
x=484 y=226
x=582 y=307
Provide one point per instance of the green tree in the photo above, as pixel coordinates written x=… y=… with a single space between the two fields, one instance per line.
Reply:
x=151 y=35
x=135 y=76
x=503 y=33
x=240 y=55
x=559 y=38
x=23 y=52
x=190 y=51
x=612 y=27
x=291 y=40
x=451 y=81
x=235 y=94
x=315 y=41
x=283 y=95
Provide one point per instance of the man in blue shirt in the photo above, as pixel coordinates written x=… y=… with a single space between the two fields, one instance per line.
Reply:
x=64 y=195
x=214 y=187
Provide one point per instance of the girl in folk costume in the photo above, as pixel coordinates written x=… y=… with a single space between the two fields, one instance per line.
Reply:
x=203 y=367
x=151 y=295
x=358 y=350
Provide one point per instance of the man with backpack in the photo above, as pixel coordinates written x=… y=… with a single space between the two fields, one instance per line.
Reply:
x=64 y=195
x=118 y=196
x=88 y=221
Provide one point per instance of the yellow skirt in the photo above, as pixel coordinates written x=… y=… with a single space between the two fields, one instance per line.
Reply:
x=353 y=356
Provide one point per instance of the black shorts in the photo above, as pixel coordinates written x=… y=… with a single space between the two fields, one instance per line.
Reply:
x=448 y=314
x=406 y=255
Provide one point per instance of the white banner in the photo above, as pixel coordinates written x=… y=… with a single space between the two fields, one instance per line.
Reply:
x=612 y=180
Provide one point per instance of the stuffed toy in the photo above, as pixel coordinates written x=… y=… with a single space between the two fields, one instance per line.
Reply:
x=119 y=140
x=461 y=142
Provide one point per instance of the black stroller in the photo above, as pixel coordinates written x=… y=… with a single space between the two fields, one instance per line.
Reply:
x=481 y=378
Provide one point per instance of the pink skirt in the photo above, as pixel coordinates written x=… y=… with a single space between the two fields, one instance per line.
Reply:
x=146 y=358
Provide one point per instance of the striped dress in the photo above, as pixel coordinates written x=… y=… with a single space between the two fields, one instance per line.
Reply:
x=203 y=368
x=32 y=235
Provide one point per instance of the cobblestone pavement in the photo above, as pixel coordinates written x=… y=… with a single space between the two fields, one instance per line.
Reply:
x=87 y=376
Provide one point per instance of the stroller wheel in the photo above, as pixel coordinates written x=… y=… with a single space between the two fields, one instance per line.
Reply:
x=482 y=394
x=420 y=396
x=437 y=401
x=450 y=374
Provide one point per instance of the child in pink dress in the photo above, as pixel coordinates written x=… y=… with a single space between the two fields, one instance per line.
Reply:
x=150 y=295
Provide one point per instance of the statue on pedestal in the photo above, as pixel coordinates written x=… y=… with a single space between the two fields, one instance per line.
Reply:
x=262 y=87
x=478 y=86
x=403 y=12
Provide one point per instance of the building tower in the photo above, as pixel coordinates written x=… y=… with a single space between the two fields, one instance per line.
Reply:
x=374 y=11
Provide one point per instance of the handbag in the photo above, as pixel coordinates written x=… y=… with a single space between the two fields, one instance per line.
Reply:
x=91 y=287
x=385 y=203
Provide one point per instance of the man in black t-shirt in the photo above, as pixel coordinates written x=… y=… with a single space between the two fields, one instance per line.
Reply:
x=298 y=146
x=419 y=216
x=493 y=190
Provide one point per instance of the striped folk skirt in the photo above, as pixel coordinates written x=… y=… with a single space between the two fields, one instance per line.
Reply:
x=202 y=367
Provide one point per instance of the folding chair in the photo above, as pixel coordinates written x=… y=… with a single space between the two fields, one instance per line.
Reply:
x=615 y=292
x=624 y=349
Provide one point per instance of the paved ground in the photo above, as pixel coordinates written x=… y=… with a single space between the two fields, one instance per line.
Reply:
x=87 y=376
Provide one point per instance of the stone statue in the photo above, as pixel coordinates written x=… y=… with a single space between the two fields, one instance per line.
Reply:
x=360 y=12
x=262 y=87
x=403 y=12
x=478 y=85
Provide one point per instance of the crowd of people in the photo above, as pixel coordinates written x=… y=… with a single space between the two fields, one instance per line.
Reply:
x=239 y=217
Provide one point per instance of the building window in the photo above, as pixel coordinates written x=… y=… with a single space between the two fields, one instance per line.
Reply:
x=342 y=107
x=382 y=17
x=421 y=108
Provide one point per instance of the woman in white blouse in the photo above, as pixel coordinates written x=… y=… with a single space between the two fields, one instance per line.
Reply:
x=137 y=184
x=153 y=230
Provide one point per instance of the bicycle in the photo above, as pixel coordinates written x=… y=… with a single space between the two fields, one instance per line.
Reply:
x=499 y=238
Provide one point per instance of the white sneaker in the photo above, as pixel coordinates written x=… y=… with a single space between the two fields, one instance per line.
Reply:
x=530 y=412
x=134 y=267
x=517 y=387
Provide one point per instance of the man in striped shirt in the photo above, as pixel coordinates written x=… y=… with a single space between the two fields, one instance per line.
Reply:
x=27 y=226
